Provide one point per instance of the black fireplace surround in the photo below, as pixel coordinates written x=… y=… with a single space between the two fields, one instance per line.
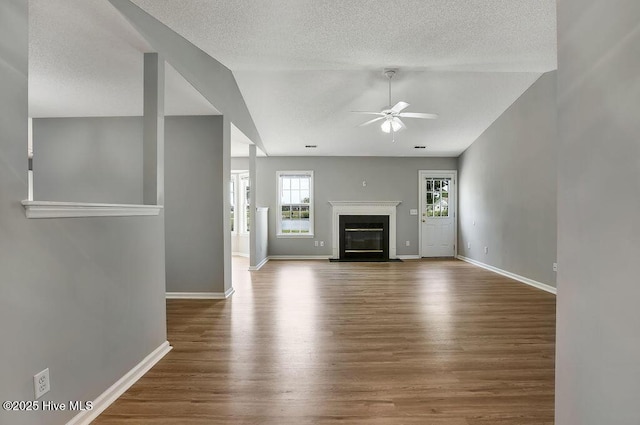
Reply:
x=364 y=237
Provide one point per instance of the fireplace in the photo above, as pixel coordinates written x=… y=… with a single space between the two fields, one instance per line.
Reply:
x=364 y=208
x=364 y=237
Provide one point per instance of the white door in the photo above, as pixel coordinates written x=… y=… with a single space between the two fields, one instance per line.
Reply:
x=437 y=214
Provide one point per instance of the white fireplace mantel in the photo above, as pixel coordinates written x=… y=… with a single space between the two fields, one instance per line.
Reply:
x=364 y=208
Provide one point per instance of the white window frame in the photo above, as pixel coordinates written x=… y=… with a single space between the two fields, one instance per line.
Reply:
x=233 y=201
x=278 y=214
x=242 y=202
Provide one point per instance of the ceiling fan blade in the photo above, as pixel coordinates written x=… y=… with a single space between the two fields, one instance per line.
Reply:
x=418 y=115
x=398 y=107
x=371 y=121
x=367 y=113
x=399 y=121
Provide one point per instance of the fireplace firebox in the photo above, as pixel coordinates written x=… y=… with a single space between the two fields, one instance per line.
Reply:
x=364 y=237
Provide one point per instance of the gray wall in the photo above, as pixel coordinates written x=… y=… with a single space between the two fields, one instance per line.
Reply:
x=340 y=179
x=507 y=185
x=598 y=319
x=193 y=204
x=88 y=159
x=240 y=163
x=83 y=297
x=76 y=156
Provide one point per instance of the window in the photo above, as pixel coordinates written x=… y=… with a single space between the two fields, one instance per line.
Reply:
x=232 y=201
x=246 y=207
x=438 y=197
x=295 y=203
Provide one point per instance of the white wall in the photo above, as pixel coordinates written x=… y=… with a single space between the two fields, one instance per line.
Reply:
x=598 y=318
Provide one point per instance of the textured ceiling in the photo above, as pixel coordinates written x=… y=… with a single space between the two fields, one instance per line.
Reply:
x=302 y=65
x=86 y=60
x=478 y=35
x=297 y=108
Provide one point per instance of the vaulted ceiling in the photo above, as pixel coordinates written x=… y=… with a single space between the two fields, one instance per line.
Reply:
x=303 y=65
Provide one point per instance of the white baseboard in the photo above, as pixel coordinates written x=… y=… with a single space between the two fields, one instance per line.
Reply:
x=299 y=257
x=105 y=399
x=240 y=254
x=526 y=280
x=229 y=292
x=259 y=266
x=408 y=257
x=200 y=295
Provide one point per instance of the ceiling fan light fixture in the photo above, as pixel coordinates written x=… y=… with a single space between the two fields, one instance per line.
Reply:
x=391 y=116
x=388 y=125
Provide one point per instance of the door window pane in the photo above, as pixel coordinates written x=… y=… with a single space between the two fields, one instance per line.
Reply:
x=429 y=210
x=437 y=197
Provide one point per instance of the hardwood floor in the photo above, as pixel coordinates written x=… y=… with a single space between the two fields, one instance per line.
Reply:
x=311 y=342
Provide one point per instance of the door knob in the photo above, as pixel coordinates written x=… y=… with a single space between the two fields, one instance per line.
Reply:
x=424 y=221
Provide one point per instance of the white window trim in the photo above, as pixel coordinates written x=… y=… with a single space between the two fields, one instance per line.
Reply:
x=242 y=203
x=234 y=180
x=312 y=216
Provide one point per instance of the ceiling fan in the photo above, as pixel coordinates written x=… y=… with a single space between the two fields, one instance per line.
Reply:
x=390 y=117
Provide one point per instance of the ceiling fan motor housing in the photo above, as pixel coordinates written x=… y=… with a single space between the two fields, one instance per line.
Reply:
x=390 y=72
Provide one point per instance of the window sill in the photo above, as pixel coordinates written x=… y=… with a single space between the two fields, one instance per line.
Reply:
x=54 y=209
x=294 y=236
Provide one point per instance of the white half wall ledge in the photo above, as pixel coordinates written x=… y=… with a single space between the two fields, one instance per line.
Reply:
x=55 y=209
x=539 y=285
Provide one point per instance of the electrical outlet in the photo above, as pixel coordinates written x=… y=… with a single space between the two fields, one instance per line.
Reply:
x=486 y=249
x=555 y=267
x=41 y=383
x=315 y=243
x=468 y=245
x=408 y=243
x=321 y=243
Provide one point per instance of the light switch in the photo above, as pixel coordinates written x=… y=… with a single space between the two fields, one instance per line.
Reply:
x=413 y=212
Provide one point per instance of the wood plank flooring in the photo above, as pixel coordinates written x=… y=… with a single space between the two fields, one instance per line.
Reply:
x=311 y=342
